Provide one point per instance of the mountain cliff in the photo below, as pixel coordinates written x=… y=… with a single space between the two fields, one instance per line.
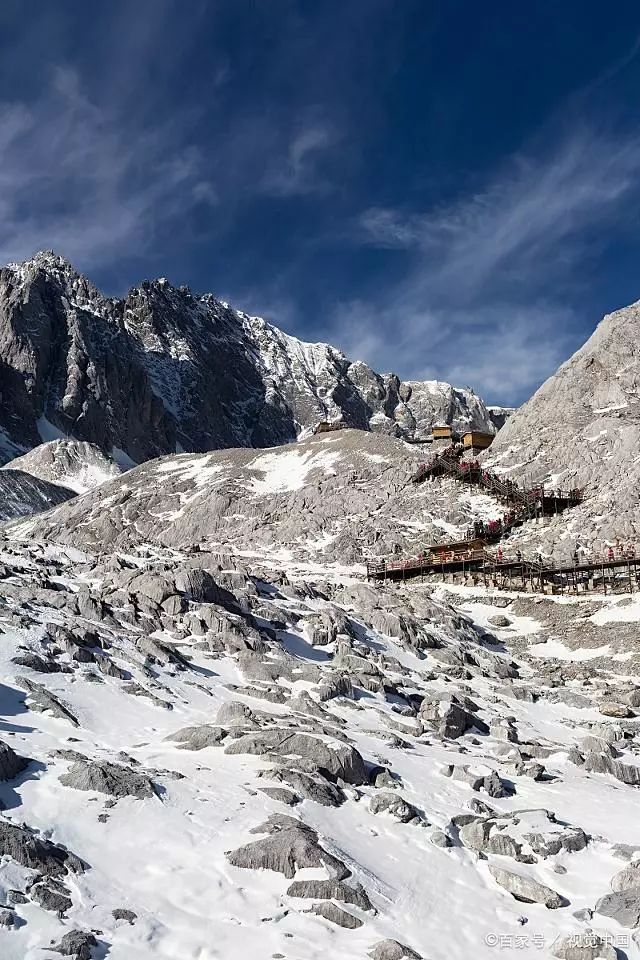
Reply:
x=582 y=428
x=164 y=371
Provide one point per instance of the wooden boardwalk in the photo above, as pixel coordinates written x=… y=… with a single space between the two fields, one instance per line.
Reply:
x=469 y=560
x=481 y=567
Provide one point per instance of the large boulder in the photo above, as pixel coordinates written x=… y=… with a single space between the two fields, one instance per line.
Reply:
x=290 y=846
x=525 y=888
x=113 y=779
x=338 y=760
x=393 y=950
x=623 y=906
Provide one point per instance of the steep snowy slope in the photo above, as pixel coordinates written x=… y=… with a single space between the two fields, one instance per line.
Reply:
x=201 y=761
x=163 y=370
x=582 y=428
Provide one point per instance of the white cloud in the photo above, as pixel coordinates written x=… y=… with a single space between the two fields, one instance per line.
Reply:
x=77 y=179
x=475 y=302
x=298 y=171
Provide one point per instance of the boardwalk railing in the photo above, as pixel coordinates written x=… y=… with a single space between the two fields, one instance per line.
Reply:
x=609 y=572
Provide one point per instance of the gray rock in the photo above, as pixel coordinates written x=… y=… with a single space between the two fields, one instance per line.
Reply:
x=290 y=846
x=153 y=586
x=44 y=701
x=233 y=712
x=602 y=763
x=197 y=738
x=199 y=585
x=393 y=950
x=11 y=764
x=331 y=890
x=499 y=620
x=37 y=663
x=120 y=913
x=526 y=889
x=475 y=834
x=584 y=946
x=56 y=899
x=77 y=944
x=609 y=708
x=28 y=849
x=336 y=915
x=393 y=805
x=339 y=760
x=110 y=778
x=307 y=785
x=282 y=795
x=627 y=878
x=623 y=906
x=7 y=918
x=440 y=839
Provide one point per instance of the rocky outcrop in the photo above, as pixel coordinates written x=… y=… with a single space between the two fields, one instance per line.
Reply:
x=338 y=760
x=110 y=778
x=290 y=846
x=74 y=464
x=582 y=429
x=11 y=763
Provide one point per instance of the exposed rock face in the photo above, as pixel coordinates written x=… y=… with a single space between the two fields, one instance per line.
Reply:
x=164 y=370
x=308 y=490
x=22 y=495
x=623 y=906
x=393 y=950
x=28 y=849
x=11 y=764
x=582 y=429
x=76 y=944
x=338 y=760
x=584 y=946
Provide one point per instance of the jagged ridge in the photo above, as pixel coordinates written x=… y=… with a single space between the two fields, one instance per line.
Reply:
x=163 y=371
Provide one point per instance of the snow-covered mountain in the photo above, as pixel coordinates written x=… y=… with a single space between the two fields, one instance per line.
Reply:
x=218 y=741
x=582 y=428
x=164 y=371
x=74 y=464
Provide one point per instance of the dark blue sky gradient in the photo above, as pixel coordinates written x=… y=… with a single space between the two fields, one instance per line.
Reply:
x=446 y=189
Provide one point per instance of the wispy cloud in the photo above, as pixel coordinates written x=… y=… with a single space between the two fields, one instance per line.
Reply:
x=475 y=299
x=298 y=170
x=76 y=177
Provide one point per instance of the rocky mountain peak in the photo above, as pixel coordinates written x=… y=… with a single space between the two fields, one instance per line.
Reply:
x=163 y=370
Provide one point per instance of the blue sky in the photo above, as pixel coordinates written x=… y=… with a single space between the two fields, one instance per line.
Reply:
x=445 y=189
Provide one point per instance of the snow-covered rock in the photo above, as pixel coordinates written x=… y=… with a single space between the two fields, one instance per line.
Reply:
x=74 y=464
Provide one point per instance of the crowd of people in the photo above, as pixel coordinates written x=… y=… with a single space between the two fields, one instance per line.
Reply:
x=493 y=529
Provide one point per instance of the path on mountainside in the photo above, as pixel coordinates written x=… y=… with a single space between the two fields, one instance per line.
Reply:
x=471 y=556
